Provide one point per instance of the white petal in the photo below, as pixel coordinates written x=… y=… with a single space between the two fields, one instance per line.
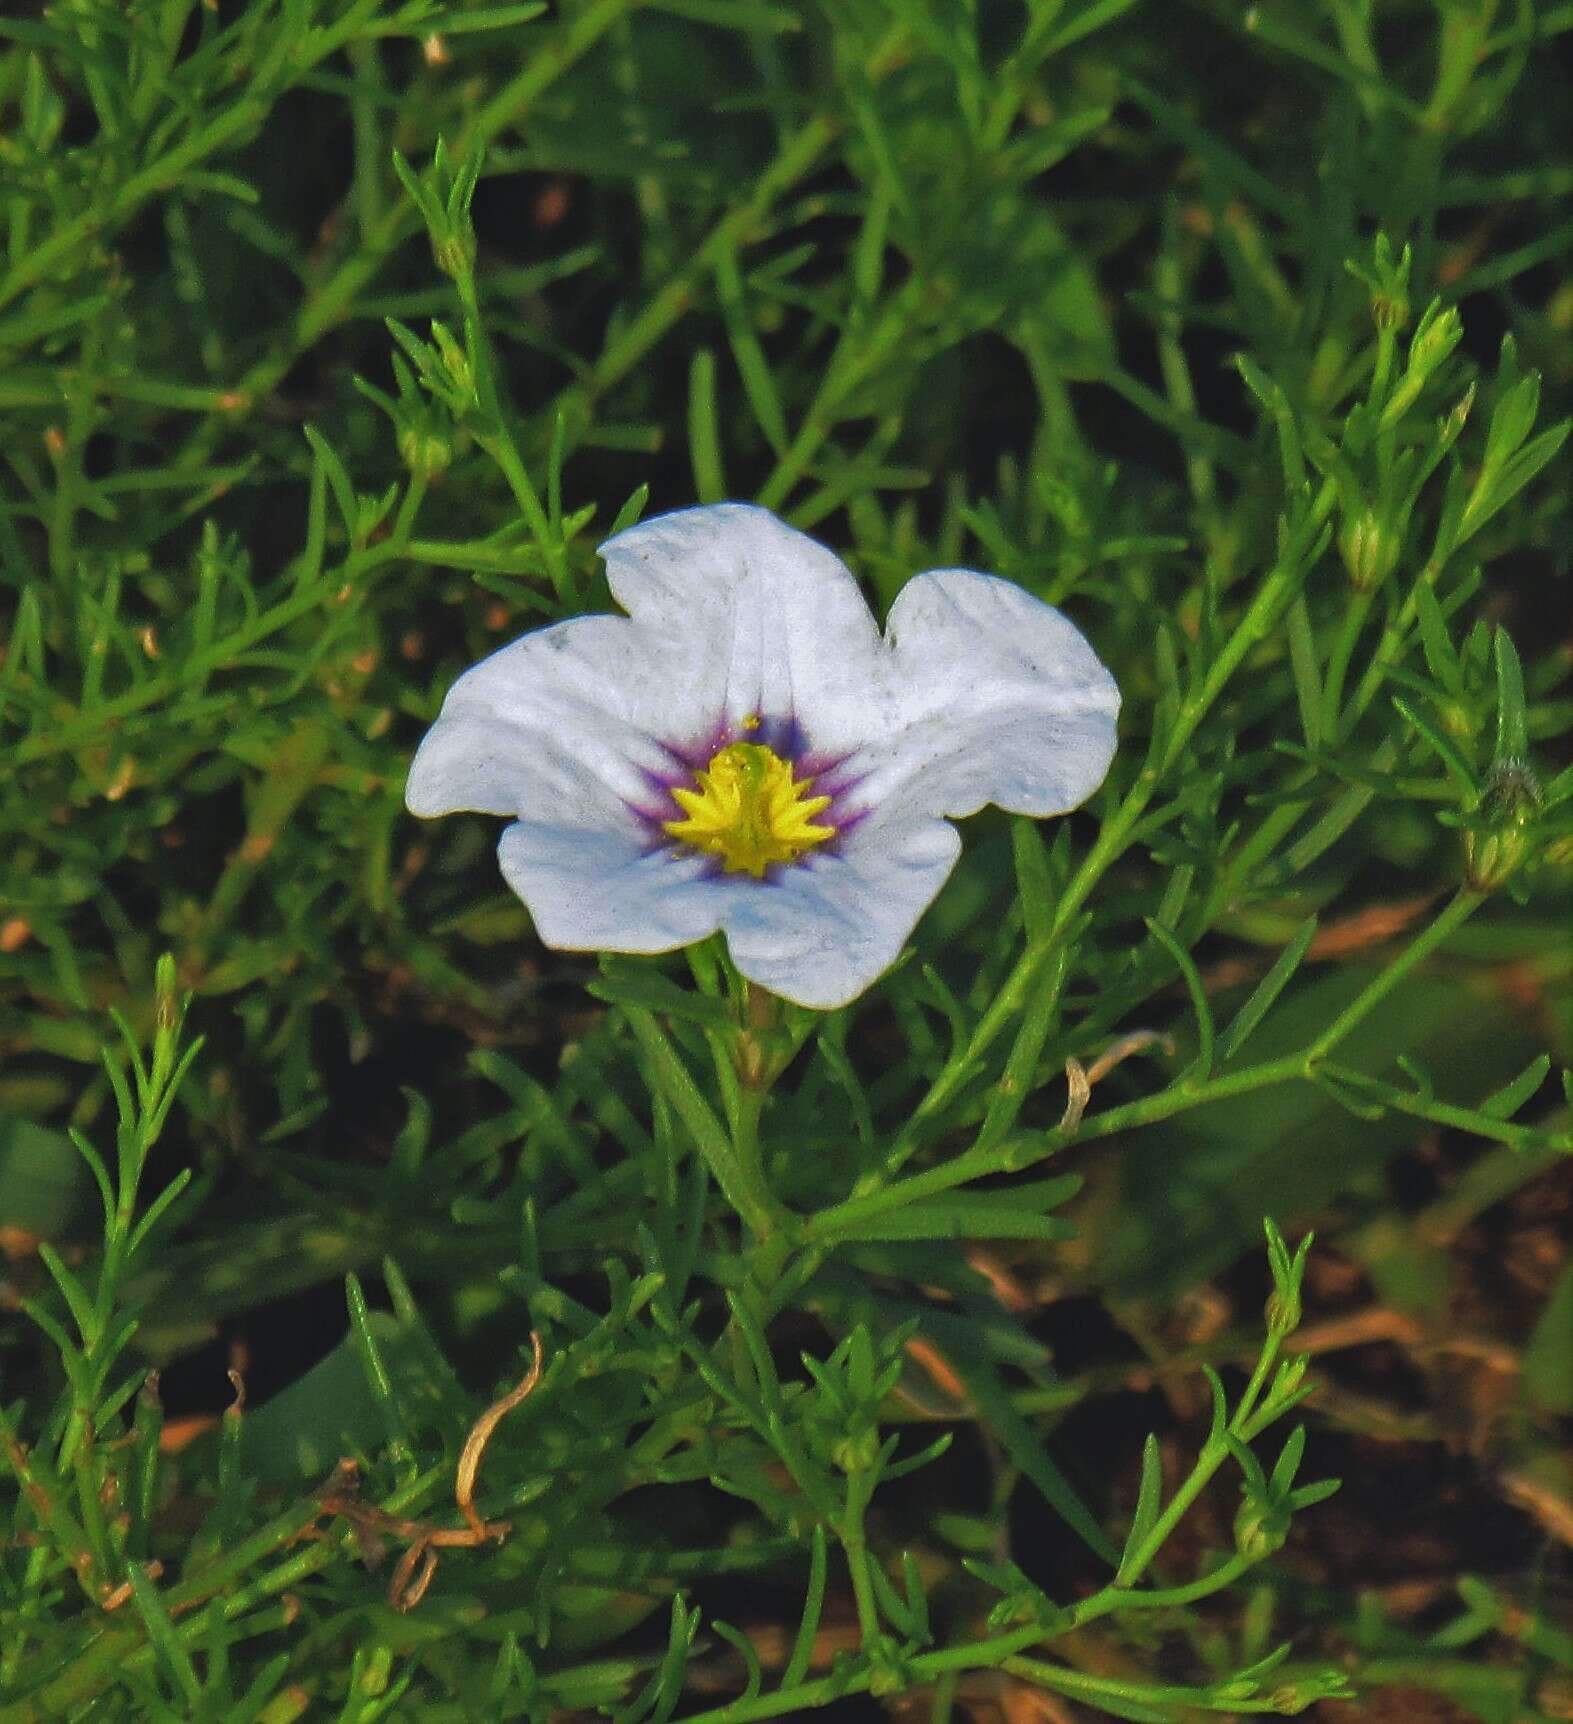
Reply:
x=979 y=693
x=605 y=892
x=825 y=929
x=1002 y=701
x=759 y=617
x=561 y=725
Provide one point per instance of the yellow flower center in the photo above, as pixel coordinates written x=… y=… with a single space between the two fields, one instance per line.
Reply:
x=749 y=810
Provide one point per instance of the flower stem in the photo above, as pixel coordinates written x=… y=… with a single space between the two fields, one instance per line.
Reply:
x=750 y=1190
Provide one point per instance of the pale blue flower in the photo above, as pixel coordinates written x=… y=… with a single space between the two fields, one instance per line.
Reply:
x=745 y=751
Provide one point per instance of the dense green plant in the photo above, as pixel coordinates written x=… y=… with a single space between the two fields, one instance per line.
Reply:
x=336 y=334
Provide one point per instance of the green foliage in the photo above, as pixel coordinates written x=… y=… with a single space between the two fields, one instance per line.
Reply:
x=335 y=336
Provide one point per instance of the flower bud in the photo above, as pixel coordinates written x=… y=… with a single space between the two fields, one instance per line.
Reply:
x=455 y=359
x=167 y=1013
x=1499 y=837
x=1260 y=1528
x=1370 y=547
x=1283 y=1314
x=1389 y=309
x=454 y=252
x=425 y=449
x=1436 y=335
x=1439 y=332
x=856 y=1452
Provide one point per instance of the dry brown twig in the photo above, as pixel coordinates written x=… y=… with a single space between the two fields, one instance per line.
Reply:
x=1079 y=1079
x=413 y=1574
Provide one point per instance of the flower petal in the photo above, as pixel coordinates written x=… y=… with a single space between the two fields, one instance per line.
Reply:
x=563 y=725
x=1002 y=700
x=604 y=892
x=825 y=929
x=756 y=618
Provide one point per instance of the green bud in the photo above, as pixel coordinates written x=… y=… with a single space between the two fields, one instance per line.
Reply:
x=168 y=1010
x=455 y=360
x=1260 y=1528
x=1452 y=422
x=1283 y=1315
x=1370 y=547
x=1292 y=1698
x=1437 y=334
x=1387 y=278
x=1389 y=310
x=1291 y=1373
x=1458 y=721
x=858 y=1452
x=425 y=449
x=454 y=252
x=1499 y=838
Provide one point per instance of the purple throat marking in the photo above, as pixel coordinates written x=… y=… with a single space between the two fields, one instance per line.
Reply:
x=784 y=737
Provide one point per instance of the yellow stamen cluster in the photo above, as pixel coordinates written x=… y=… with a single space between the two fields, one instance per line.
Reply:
x=749 y=810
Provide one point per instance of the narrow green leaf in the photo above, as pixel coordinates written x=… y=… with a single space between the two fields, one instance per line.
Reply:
x=753 y=368
x=744 y=1647
x=369 y=1351
x=1512 y=419
x=1149 y=1503
x=1494 y=491
x=1505 y=1102
x=1512 y=724
x=1220 y=1420
x=1034 y=883
x=628 y=984
x=161 y=1632
x=338 y=479
x=1266 y=992
x=409 y=1147
x=1026 y=1449
x=677 y=1084
x=1458 y=769
x=464 y=20
x=1441 y=658
x=1308 y=1496
x=74 y=1293
x=156 y=1211
x=1303 y=665
x=1288 y=1463
x=955 y=1218
x=631 y=510
x=704 y=437
x=1083 y=22
x=1202 y=1067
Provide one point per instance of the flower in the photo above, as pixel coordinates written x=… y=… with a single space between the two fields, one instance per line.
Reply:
x=744 y=751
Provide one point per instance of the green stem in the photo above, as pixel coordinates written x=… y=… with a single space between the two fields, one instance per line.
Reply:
x=1019 y=1154
x=1462 y=906
x=1460 y=48
x=807 y=1696
x=854 y=1543
x=1389 y=646
x=762 y=1209
x=1113 y=1598
x=1214 y=1452
x=1356 y=611
x=498 y=440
